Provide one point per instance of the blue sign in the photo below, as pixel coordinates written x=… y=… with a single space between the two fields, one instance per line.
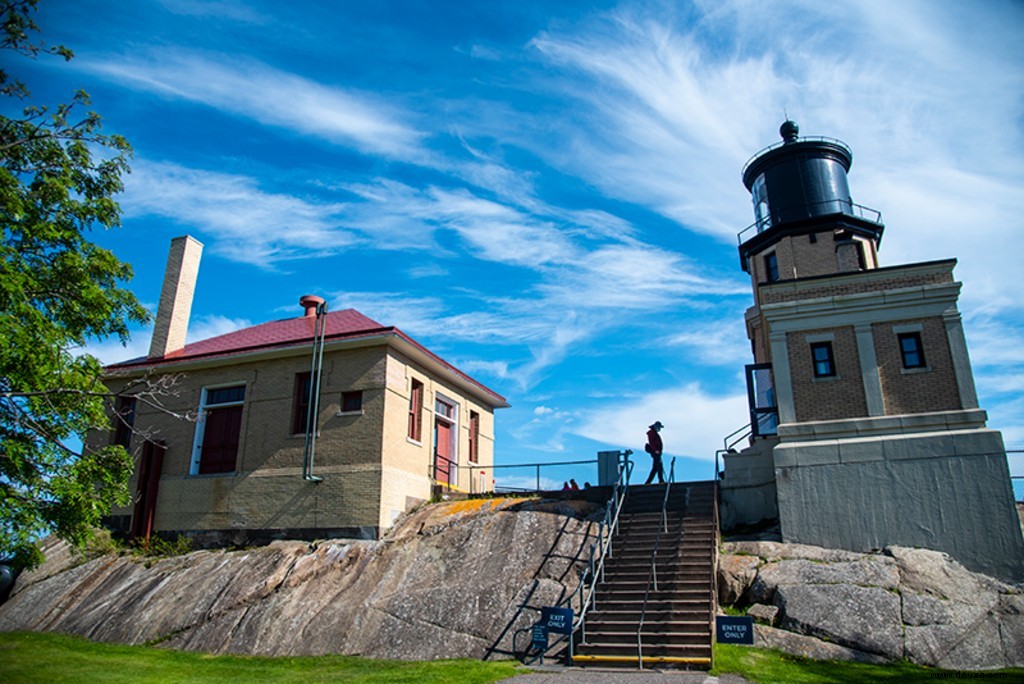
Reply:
x=558 y=620
x=734 y=629
x=540 y=637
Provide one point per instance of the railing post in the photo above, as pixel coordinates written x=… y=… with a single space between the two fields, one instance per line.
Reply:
x=538 y=477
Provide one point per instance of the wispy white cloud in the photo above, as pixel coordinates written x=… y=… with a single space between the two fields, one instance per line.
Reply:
x=669 y=126
x=636 y=276
x=249 y=224
x=695 y=421
x=722 y=343
x=251 y=89
x=989 y=344
x=110 y=351
x=227 y=9
x=1007 y=417
x=494 y=369
x=206 y=327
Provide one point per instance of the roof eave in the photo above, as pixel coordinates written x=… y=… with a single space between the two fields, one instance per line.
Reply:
x=392 y=337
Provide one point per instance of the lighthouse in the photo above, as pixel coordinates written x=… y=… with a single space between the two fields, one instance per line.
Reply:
x=865 y=429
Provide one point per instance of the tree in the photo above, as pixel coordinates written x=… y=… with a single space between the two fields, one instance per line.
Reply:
x=58 y=177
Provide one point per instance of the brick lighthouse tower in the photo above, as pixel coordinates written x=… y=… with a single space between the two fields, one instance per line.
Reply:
x=866 y=430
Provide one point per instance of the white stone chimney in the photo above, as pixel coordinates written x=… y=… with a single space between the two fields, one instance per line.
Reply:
x=176 y=297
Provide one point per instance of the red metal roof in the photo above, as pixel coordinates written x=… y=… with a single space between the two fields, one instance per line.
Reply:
x=346 y=324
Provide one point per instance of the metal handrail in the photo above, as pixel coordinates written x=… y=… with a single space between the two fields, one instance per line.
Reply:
x=802 y=138
x=537 y=465
x=435 y=469
x=653 y=573
x=747 y=430
x=856 y=210
x=714 y=569
x=587 y=596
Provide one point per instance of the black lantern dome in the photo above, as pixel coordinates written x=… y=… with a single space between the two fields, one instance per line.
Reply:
x=798 y=185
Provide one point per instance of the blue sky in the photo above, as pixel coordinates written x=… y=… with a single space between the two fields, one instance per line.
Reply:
x=547 y=193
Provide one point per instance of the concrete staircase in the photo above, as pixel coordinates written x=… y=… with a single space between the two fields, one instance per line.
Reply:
x=677 y=622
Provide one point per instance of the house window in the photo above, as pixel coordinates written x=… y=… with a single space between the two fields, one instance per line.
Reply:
x=352 y=402
x=443 y=408
x=474 y=436
x=124 y=421
x=823 y=360
x=771 y=267
x=300 y=413
x=911 y=350
x=217 y=435
x=416 y=411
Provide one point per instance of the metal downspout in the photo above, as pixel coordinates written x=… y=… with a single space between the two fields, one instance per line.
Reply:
x=315 y=375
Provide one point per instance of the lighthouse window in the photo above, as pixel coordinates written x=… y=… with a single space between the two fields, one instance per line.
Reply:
x=823 y=360
x=759 y=193
x=771 y=267
x=911 y=350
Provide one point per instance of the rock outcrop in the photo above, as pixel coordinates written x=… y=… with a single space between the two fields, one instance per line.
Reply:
x=452 y=580
x=902 y=603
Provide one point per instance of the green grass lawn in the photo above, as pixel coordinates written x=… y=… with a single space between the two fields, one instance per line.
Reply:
x=773 y=667
x=27 y=657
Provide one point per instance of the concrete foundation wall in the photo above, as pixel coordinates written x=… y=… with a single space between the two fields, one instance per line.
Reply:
x=747 y=489
x=874 y=492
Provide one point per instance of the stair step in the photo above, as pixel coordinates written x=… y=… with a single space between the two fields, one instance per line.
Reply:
x=634 y=662
x=603 y=638
x=656 y=610
x=676 y=625
x=629 y=566
x=693 y=591
x=649 y=650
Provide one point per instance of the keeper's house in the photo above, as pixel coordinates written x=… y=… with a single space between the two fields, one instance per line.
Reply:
x=327 y=424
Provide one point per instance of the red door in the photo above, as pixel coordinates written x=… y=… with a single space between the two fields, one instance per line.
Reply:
x=220 y=440
x=442 y=451
x=148 y=489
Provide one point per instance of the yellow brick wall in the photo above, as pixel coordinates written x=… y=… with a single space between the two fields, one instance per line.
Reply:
x=408 y=465
x=800 y=257
x=826 y=398
x=371 y=471
x=916 y=390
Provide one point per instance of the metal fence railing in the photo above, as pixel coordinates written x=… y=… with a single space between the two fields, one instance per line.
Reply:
x=1015 y=461
x=528 y=477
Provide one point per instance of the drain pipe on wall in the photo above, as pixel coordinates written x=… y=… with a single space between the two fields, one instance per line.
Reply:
x=315 y=306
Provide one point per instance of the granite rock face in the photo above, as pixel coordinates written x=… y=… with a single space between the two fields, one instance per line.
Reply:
x=451 y=580
x=902 y=602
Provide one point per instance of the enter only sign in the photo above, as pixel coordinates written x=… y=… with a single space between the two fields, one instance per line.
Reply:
x=730 y=629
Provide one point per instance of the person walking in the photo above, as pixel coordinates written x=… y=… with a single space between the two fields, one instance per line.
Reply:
x=654 y=448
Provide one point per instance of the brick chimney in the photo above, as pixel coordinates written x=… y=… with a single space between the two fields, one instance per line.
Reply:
x=175 y=306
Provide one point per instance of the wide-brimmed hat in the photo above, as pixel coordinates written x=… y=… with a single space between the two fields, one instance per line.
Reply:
x=657 y=425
